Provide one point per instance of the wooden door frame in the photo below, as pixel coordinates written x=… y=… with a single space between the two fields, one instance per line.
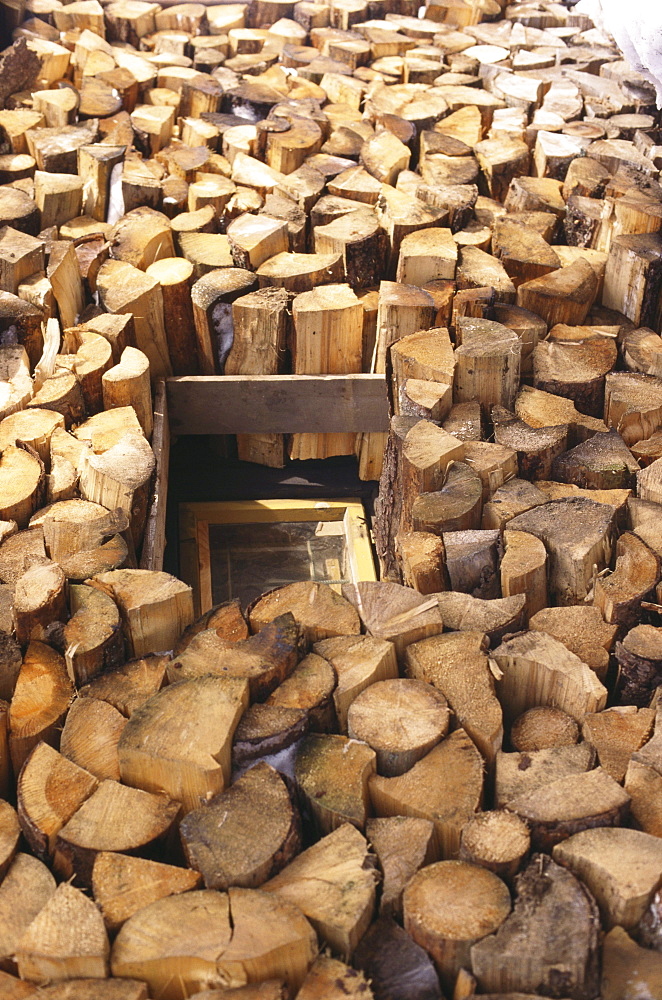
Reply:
x=253 y=404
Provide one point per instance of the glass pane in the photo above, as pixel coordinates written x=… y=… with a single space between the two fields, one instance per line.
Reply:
x=248 y=559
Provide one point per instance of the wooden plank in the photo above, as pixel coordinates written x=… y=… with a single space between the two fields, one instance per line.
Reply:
x=154 y=539
x=278 y=404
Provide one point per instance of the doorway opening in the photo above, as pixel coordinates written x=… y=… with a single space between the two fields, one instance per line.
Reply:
x=236 y=529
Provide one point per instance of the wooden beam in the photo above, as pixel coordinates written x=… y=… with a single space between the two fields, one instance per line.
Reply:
x=154 y=539
x=279 y=404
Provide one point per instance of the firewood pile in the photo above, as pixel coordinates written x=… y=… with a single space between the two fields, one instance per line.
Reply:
x=445 y=784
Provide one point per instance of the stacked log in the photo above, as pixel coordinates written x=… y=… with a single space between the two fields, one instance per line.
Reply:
x=442 y=784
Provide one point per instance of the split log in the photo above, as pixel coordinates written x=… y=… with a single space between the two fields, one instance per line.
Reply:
x=32 y=427
x=642 y=351
x=448 y=799
x=40 y=599
x=395 y=964
x=498 y=841
x=493 y=463
x=500 y=160
x=577 y=534
x=639 y=657
x=455 y=507
x=332 y=774
x=543 y=727
x=576 y=370
x=426 y=354
x=73 y=525
x=513 y=498
x=10 y=665
x=227 y=619
x=539 y=670
x=402 y=310
x=627 y=968
x=477 y=269
x=618 y=866
x=633 y=405
x=568 y=805
x=403 y=846
x=543 y=889
x=25 y=889
x=456 y=665
x=359 y=662
x=121 y=478
x=319 y=611
x=420 y=398
x=582 y=630
x=264 y=659
x=333 y=884
x=16 y=387
x=427 y=255
x=235 y=938
x=40 y=816
x=616 y=734
x=544 y=409
x=309 y=688
x=421 y=556
x=522 y=251
x=462 y=613
x=394 y=613
x=110 y=555
x=41 y=698
x=523 y=570
x=216 y=837
x=130 y=686
x=122 y=885
x=128 y=384
x=154 y=606
x=331 y=978
x=401 y=720
x=360 y=240
x=418 y=457
x=90 y=737
x=602 y=462
x=93 y=636
x=66 y=940
x=156 y=751
x=21 y=485
x=518 y=774
x=254 y=239
x=123 y=288
x=263 y=733
x=562 y=296
x=632 y=278
x=9 y=836
x=465 y=421
x=487 y=364
x=301 y=272
x=448 y=907
x=636 y=573
x=18 y=551
x=113 y=818
x=642 y=783
x=536 y=447
x=471 y=562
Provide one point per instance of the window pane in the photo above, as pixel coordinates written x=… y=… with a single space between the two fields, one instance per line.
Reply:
x=248 y=559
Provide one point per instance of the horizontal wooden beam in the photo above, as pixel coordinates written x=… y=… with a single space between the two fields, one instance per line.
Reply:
x=280 y=404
